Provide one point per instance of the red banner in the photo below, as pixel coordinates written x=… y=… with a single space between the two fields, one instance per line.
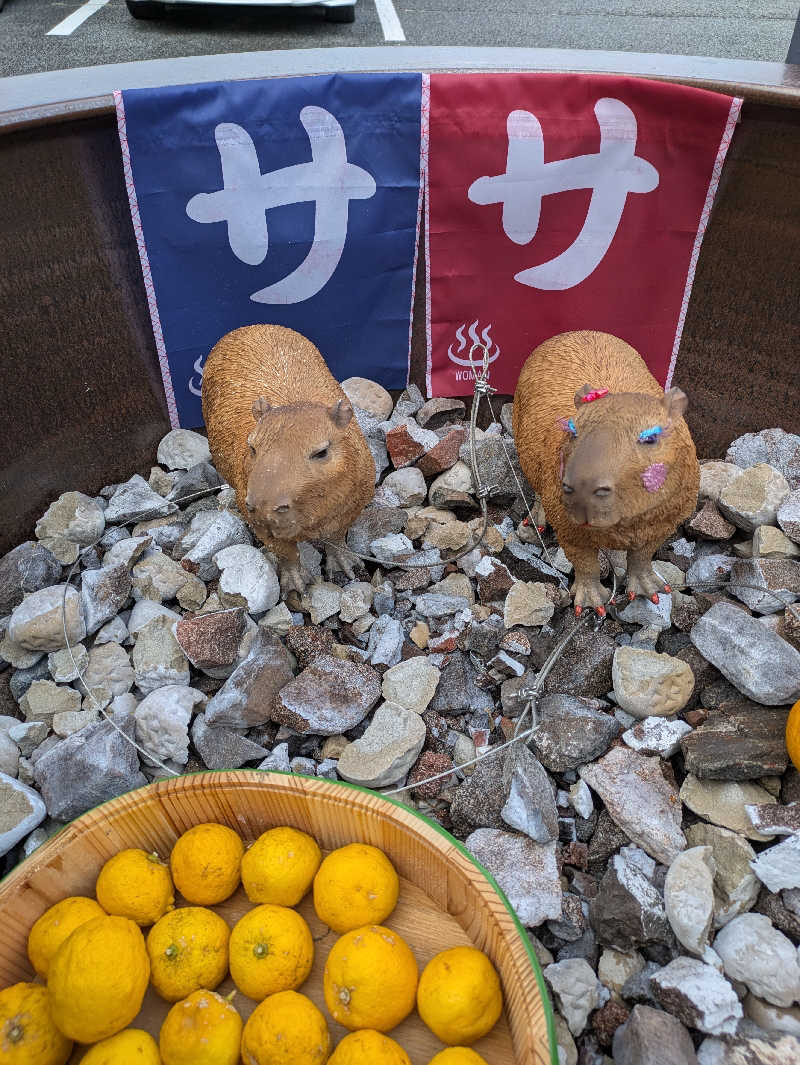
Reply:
x=563 y=201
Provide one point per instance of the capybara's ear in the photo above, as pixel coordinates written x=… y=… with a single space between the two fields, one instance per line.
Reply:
x=675 y=403
x=260 y=408
x=588 y=394
x=341 y=413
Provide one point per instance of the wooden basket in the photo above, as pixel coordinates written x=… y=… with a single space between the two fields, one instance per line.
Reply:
x=446 y=897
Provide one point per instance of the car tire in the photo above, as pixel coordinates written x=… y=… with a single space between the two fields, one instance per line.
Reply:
x=145 y=8
x=341 y=14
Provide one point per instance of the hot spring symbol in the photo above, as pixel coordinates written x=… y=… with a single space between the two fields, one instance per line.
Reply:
x=483 y=339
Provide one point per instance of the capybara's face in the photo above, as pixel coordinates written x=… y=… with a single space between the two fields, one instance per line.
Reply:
x=295 y=460
x=616 y=464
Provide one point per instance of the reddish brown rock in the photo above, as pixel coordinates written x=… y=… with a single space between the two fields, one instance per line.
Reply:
x=211 y=640
x=444 y=454
x=606 y=1020
x=402 y=447
x=429 y=764
x=307 y=642
x=710 y=524
x=495 y=585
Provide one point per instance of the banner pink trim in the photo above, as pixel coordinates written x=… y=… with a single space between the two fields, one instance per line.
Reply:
x=425 y=146
x=705 y=215
x=147 y=275
x=424 y=140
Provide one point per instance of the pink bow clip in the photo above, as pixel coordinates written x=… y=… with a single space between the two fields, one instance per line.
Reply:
x=598 y=393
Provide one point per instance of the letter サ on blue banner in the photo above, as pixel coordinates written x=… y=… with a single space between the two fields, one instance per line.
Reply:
x=293 y=201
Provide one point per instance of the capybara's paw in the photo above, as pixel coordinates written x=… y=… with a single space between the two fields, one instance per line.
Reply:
x=340 y=557
x=294 y=578
x=645 y=581
x=588 y=591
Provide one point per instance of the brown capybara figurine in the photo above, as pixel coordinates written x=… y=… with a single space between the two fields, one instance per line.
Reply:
x=609 y=453
x=282 y=433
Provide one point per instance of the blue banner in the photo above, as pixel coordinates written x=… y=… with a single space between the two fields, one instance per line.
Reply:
x=292 y=201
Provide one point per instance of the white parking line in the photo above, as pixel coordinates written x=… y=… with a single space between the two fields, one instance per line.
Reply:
x=390 y=23
x=71 y=22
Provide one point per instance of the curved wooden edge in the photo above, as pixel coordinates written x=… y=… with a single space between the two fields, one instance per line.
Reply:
x=521 y=957
x=35 y=99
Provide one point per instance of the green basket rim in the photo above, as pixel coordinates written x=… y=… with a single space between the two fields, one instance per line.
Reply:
x=537 y=969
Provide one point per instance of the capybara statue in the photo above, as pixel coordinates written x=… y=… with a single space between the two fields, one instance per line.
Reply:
x=609 y=453
x=282 y=433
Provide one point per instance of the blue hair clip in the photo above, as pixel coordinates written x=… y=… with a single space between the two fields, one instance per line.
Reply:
x=568 y=425
x=650 y=436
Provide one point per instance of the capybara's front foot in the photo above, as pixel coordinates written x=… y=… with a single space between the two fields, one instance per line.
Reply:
x=294 y=577
x=643 y=579
x=588 y=591
x=339 y=557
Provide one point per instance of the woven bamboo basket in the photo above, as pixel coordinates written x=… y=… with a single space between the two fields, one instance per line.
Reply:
x=446 y=898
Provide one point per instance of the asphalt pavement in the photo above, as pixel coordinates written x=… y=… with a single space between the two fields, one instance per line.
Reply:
x=102 y=31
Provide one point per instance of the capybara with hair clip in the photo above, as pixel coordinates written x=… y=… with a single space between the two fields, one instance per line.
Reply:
x=609 y=453
x=282 y=433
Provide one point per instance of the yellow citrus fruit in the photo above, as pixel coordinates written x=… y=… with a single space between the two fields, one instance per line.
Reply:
x=136 y=885
x=793 y=735
x=271 y=950
x=355 y=886
x=459 y=995
x=97 y=979
x=368 y=1047
x=280 y=866
x=206 y=864
x=370 y=979
x=53 y=927
x=202 y=1029
x=28 y=1035
x=133 y=1046
x=285 y=1029
x=188 y=950
x=457 y=1056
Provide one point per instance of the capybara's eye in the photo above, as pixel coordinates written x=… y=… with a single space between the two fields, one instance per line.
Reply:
x=322 y=453
x=568 y=489
x=602 y=492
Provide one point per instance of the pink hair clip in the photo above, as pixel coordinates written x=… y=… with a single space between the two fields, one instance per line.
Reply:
x=598 y=393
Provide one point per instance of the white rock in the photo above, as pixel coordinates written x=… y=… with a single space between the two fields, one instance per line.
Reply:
x=65 y=665
x=75 y=517
x=21 y=810
x=247 y=579
x=324 y=599
x=616 y=967
x=127 y=552
x=116 y=631
x=577 y=991
x=135 y=500
x=387 y=750
x=581 y=799
x=715 y=477
x=759 y=956
x=527 y=604
x=39 y=622
x=368 y=395
x=723 y=802
x=754 y=497
x=9 y=755
x=391 y=548
x=649 y=684
x=108 y=666
x=181 y=449
x=412 y=683
x=356 y=600
x=44 y=699
x=772 y=1018
x=279 y=620
x=73 y=721
x=526 y=871
x=143 y=613
x=779 y=867
x=406 y=485
x=162 y=721
x=657 y=735
x=698 y=995
x=157 y=657
x=689 y=897
x=735 y=887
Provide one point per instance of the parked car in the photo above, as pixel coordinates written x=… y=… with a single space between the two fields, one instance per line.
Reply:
x=335 y=10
